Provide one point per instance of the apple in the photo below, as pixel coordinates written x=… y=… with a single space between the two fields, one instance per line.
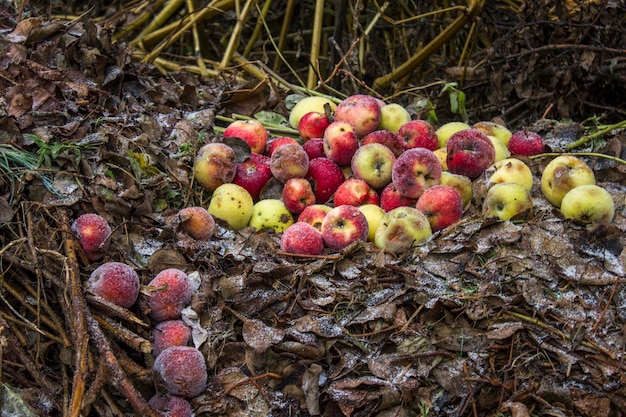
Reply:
x=373 y=214
x=442 y=205
x=445 y=131
x=297 y=195
x=273 y=144
x=461 y=183
x=469 y=153
x=419 y=134
x=344 y=225
x=251 y=131
x=390 y=198
x=502 y=152
x=373 y=163
x=401 y=229
x=361 y=111
x=442 y=155
x=527 y=143
x=387 y=138
x=392 y=116
x=233 y=204
x=289 y=161
x=314 y=148
x=253 y=173
x=307 y=105
x=270 y=214
x=94 y=235
x=505 y=200
x=196 y=222
x=588 y=203
x=355 y=192
x=302 y=239
x=325 y=177
x=340 y=142
x=511 y=170
x=314 y=215
x=215 y=164
x=415 y=170
x=494 y=129
x=312 y=125
x=562 y=174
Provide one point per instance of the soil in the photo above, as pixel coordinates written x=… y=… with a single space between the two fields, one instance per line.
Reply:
x=518 y=318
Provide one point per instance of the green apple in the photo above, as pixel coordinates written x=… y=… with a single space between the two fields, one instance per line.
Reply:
x=459 y=182
x=562 y=174
x=446 y=130
x=494 y=129
x=233 y=204
x=401 y=229
x=392 y=116
x=511 y=170
x=271 y=214
x=502 y=152
x=307 y=105
x=373 y=214
x=506 y=200
x=588 y=203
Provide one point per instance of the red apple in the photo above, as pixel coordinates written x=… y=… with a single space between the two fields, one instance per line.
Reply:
x=94 y=235
x=387 y=138
x=340 y=142
x=415 y=170
x=325 y=176
x=390 y=198
x=312 y=125
x=442 y=205
x=469 y=153
x=314 y=148
x=252 y=131
x=279 y=141
x=303 y=239
x=355 y=192
x=418 y=134
x=527 y=143
x=314 y=215
x=344 y=225
x=289 y=161
x=253 y=173
x=297 y=195
x=373 y=163
x=215 y=165
x=361 y=111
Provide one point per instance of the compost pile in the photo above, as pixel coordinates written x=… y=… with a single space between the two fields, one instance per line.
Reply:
x=488 y=318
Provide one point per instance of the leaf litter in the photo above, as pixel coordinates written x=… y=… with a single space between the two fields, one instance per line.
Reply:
x=488 y=318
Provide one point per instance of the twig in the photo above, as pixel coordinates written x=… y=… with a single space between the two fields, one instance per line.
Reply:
x=594 y=154
x=588 y=138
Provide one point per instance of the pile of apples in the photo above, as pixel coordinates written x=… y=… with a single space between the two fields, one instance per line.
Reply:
x=364 y=170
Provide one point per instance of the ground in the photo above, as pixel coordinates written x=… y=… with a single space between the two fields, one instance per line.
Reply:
x=489 y=318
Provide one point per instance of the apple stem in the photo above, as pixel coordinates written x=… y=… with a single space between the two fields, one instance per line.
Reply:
x=588 y=138
x=596 y=154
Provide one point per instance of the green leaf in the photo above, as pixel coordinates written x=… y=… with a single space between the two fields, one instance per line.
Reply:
x=271 y=118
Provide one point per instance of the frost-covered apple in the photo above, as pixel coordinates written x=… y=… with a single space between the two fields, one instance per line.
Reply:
x=169 y=333
x=414 y=171
x=170 y=292
x=253 y=173
x=562 y=174
x=588 y=203
x=340 y=142
x=387 y=138
x=373 y=163
x=183 y=370
x=419 y=134
x=215 y=165
x=115 y=282
x=251 y=131
x=391 y=198
x=511 y=170
x=289 y=161
x=506 y=200
x=361 y=111
x=273 y=144
x=94 y=235
x=314 y=148
x=233 y=204
x=325 y=177
x=355 y=192
x=344 y=225
x=469 y=153
x=297 y=195
x=525 y=142
x=271 y=214
x=442 y=205
x=314 y=215
x=312 y=125
x=401 y=229
x=303 y=239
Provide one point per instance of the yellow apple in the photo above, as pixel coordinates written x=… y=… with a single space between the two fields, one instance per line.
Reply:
x=271 y=214
x=233 y=204
x=494 y=129
x=506 y=200
x=459 y=182
x=502 y=152
x=446 y=130
x=562 y=174
x=512 y=170
x=373 y=213
x=307 y=105
x=442 y=155
x=401 y=229
x=392 y=116
x=588 y=203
